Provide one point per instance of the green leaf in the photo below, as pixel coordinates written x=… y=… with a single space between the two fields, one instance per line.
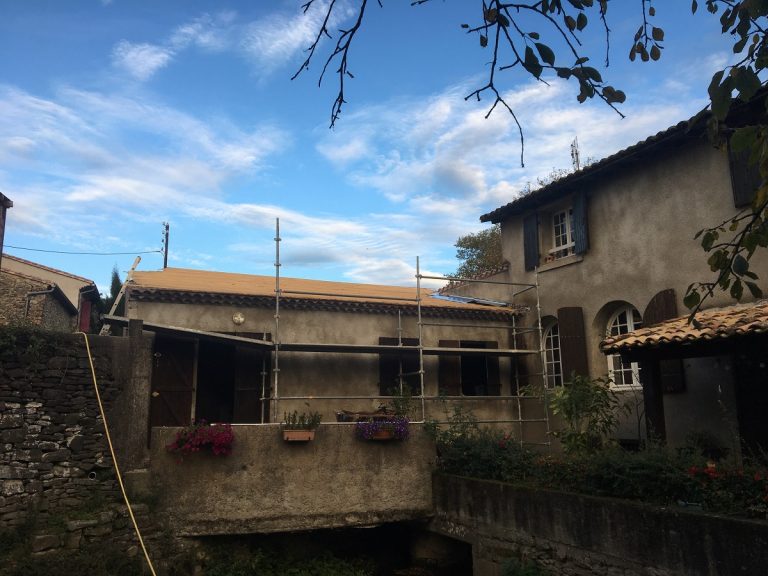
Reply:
x=563 y=72
x=744 y=138
x=592 y=73
x=546 y=53
x=534 y=35
x=581 y=21
x=657 y=34
x=483 y=41
x=531 y=62
x=720 y=95
x=740 y=265
x=570 y=23
x=692 y=299
x=655 y=53
x=694 y=6
x=708 y=240
x=754 y=289
x=737 y=290
x=746 y=83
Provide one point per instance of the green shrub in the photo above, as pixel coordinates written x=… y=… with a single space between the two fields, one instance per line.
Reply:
x=488 y=454
x=521 y=567
x=590 y=410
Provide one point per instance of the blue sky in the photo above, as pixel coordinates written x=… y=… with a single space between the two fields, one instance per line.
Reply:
x=116 y=116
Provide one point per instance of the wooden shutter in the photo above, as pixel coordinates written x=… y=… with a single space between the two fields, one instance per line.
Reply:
x=573 y=342
x=580 y=228
x=449 y=370
x=173 y=366
x=745 y=177
x=531 y=241
x=492 y=364
x=663 y=306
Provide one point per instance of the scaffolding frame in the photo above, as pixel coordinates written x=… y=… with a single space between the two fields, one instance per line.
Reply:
x=421 y=350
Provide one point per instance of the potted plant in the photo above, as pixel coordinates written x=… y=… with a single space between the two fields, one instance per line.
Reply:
x=392 y=427
x=202 y=436
x=300 y=427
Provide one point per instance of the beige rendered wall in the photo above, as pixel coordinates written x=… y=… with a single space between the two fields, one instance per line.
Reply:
x=642 y=224
x=304 y=374
x=267 y=485
x=69 y=285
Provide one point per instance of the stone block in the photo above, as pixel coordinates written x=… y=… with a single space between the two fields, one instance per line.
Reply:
x=48 y=446
x=76 y=442
x=100 y=530
x=12 y=435
x=73 y=525
x=45 y=542
x=61 y=455
x=73 y=539
x=10 y=487
x=11 y=421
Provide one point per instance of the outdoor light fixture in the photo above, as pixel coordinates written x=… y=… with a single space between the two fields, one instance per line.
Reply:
x=238 y=318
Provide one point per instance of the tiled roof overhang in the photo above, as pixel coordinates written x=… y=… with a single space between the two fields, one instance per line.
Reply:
x=693 y=129
x=328 y=305
x=710 y=326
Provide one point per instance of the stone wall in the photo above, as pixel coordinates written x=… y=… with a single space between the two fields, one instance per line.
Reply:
x=577 y=535
x=56 y=472
x=44 y=310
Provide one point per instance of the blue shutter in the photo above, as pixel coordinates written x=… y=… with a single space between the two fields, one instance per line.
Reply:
x=531 y=241
x=580 y=228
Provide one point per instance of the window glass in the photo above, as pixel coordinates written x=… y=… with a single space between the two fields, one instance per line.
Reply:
x=623 y=321
x=552 y=356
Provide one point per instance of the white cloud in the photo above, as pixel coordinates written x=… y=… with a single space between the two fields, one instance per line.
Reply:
x=140 y=60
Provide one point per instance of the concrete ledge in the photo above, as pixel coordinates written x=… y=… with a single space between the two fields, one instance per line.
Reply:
x=568 y=532
x=267 y=485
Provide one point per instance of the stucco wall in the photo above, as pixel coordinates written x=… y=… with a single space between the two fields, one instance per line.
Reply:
x=305 y=374
x=267 y=485
x=642 y=223
x=576 y=535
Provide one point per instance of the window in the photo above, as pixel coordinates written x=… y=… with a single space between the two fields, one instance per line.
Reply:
x=472 y=373
x=623 y=374
x=562 y=234
x=554 y=369
x=394 y=366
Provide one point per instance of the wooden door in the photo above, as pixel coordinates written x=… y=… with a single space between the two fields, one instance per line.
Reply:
x=172 y=381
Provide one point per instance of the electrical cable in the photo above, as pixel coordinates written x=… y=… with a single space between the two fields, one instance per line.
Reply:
x=114 y=458
x=85 y=253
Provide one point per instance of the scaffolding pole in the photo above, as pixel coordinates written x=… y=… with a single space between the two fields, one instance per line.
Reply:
x=421 y=341
x=276 y=369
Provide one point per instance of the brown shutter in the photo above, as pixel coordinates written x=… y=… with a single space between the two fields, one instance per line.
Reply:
x=580 y=228
x=745 y=177
x=573 y=342
x=531 y=241
x=663 y=306
x=173 y=366
x=492 y=364
x=449 y=370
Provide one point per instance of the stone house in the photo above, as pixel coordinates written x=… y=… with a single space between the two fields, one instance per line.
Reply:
x=80 y=293
x=26 y=300
x=225 y=350
x=611 y=248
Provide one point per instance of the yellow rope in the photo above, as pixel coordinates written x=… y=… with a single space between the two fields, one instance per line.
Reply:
x=114 y=458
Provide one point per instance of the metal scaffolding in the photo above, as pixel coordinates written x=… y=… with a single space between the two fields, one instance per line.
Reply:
x=420 y=350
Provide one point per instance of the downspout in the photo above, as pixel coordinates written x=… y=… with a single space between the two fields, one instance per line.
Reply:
x=36 y=293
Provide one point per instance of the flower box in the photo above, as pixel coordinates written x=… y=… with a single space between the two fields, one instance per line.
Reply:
x=298 y=435
x=390 y=428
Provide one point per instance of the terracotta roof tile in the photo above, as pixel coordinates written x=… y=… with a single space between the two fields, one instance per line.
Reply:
x=184 y=285
x=712 y=324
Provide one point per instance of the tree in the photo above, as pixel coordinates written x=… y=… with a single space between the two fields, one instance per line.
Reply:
x=480 y=253
x=114 y=289
x=543 y=37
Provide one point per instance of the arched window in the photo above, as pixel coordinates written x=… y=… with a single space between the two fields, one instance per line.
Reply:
x=623 y=374
x=554 y=369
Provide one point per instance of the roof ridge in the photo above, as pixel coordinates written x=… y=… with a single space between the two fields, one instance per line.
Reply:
x=49 y=268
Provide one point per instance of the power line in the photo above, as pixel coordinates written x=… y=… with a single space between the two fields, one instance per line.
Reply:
x=86 y=253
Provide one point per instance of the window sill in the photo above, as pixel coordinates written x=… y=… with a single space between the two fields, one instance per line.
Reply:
x=560 y=262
